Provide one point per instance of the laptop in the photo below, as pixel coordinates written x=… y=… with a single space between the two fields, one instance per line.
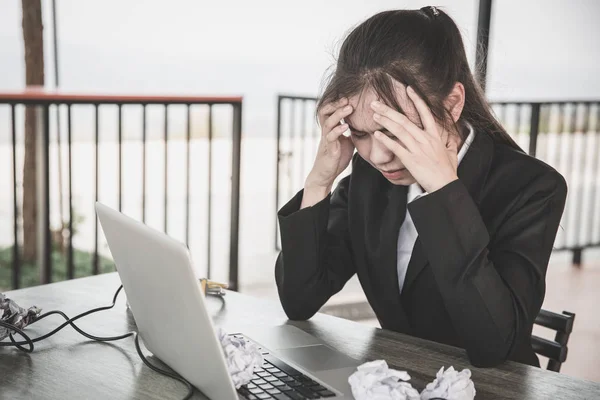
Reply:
x=174 y=323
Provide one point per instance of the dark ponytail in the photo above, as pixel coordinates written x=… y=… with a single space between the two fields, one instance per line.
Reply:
x=421 y=48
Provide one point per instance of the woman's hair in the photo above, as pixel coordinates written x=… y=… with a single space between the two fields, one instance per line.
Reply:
x=420 y=48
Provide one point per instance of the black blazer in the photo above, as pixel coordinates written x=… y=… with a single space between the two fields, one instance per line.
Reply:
x=476 y=277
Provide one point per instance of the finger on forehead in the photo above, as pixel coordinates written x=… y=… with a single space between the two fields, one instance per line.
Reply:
x=330 y=121
x=407 y=107
x=423 y=110
x=400 y=132
x=401 y=120
x=396 y=147
x=330 y=108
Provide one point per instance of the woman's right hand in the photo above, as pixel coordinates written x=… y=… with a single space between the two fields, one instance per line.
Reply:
x=335 y=150
x=333 y=155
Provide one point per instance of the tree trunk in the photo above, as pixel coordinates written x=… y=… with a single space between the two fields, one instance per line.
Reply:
x=33 y=40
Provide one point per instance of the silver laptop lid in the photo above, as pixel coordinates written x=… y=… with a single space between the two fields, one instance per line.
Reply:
x=167 y=302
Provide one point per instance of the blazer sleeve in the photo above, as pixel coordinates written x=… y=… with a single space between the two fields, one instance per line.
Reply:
x=492 y=290
x=315 y=261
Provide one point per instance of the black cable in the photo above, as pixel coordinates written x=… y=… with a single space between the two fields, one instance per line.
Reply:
x=161 y=371
x=28 y=340
x=70 y=321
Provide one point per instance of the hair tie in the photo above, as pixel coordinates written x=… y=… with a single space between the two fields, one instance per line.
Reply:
x=431 y=10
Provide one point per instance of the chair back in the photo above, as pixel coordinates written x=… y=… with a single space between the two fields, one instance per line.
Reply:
x=555 y=350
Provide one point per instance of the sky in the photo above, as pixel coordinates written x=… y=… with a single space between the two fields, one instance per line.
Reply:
x=539 y=49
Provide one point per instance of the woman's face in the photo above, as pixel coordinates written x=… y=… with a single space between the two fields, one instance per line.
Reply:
x=362 y=126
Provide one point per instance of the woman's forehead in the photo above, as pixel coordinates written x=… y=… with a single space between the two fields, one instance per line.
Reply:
x=362 y=116
x=362 y=101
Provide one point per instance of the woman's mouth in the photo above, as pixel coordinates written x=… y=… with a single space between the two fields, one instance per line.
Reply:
x=394 y=174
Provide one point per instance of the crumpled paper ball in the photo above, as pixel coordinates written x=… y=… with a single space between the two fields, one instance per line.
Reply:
x=12 y=313
x=242 y=358
x=376 y=381
x=450 y=385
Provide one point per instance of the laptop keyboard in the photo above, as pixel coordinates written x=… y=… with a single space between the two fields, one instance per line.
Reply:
x=278 y=380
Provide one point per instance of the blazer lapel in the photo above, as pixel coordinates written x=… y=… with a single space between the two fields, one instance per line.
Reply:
x=384 y=272
x=418 y=260
x=472 y=171
x=393 y=218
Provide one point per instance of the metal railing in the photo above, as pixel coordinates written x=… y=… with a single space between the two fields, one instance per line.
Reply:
x=45 y=103
x=565 y=135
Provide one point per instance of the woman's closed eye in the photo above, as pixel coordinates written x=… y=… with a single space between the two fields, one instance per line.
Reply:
x=358 y=134
x=361 y=135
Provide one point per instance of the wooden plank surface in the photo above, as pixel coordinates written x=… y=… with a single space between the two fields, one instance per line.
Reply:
x=70 y=366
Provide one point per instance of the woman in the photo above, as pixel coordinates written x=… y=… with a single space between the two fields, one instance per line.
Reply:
x=448 y=224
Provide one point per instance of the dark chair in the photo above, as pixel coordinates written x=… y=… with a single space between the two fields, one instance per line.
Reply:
x=555 y=350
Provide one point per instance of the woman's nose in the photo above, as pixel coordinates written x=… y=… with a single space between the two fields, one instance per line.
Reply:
x=380 y=155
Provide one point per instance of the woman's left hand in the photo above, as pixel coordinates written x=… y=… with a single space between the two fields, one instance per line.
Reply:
x=429 y=153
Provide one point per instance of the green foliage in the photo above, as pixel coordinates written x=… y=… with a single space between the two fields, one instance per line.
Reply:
x=83 y=261
x=30 y=273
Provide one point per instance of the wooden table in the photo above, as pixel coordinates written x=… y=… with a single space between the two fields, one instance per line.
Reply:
x=68 y=366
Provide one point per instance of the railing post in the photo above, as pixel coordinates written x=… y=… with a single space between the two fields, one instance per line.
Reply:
x=144 y=155
x=577 y=256
x=43 y=192
x=209 y=193
x=235 y=196
x=593 y=204
x=16 y=266
x=277 y=171
x=534 y=127
x=96 y=259
x=70 y=259
x=166 y=171
x=483 y=38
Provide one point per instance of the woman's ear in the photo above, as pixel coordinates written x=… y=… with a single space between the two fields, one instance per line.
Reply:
x=455 y=101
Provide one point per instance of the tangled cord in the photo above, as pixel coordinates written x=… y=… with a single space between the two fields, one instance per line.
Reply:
x=71 y=321
x=68 y=321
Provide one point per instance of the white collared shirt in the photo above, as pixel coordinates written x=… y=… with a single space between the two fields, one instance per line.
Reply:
x=408 y=233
